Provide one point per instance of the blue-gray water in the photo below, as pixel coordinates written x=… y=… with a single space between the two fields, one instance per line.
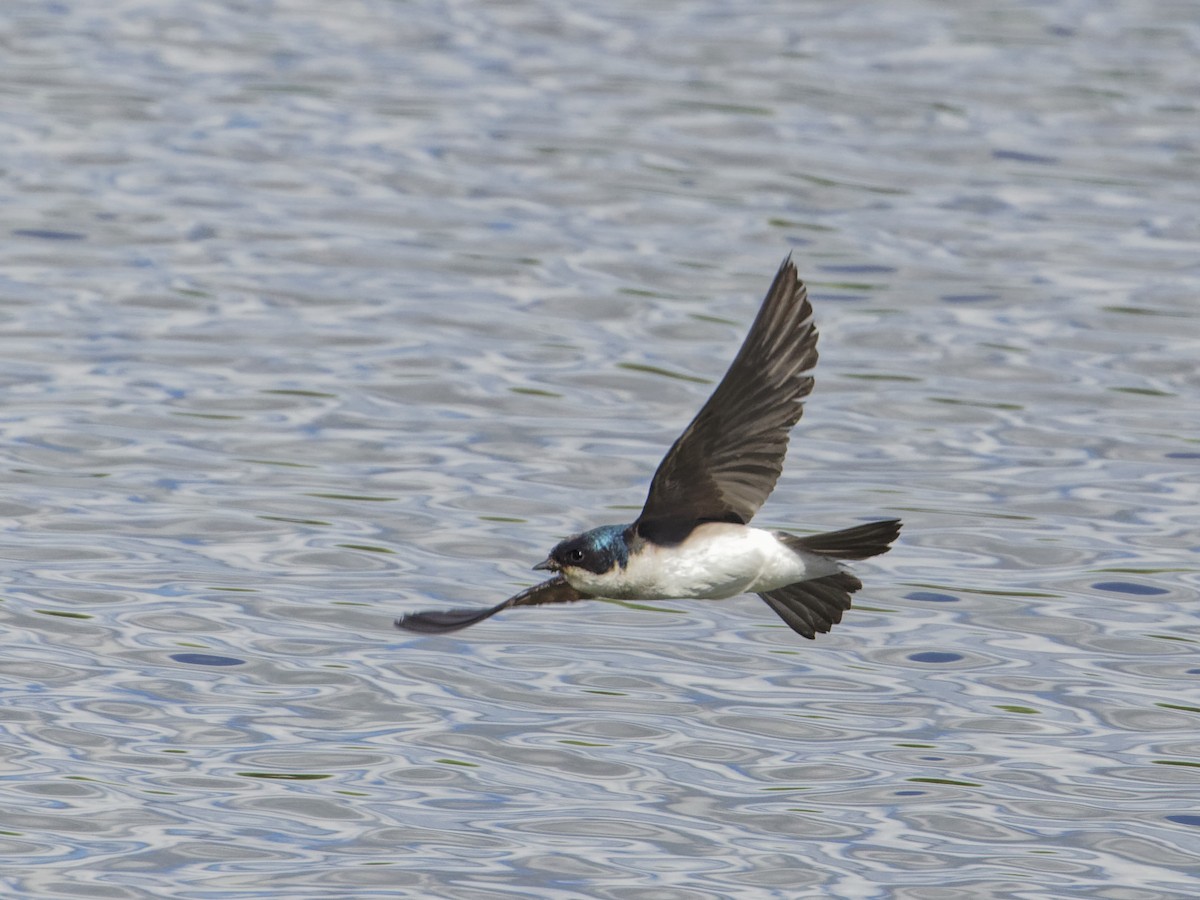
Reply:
x=312 y=314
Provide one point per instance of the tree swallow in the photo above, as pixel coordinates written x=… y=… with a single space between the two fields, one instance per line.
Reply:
x=693 y=538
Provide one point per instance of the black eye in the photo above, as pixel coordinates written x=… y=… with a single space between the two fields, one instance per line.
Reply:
x=575 y=555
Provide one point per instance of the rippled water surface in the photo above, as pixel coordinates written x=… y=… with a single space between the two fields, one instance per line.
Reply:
x=314 y=314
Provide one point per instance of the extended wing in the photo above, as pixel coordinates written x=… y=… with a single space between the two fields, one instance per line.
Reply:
x=725 y=464
x=554 y=590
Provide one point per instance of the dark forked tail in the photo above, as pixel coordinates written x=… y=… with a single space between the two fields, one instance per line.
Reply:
x=813 y=607
x=859 y=542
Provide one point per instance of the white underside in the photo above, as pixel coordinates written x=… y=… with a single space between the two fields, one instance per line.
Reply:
x=717 y=560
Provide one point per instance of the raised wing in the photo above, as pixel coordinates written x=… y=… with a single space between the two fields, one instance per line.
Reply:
x=554 y=590
x=725 y=464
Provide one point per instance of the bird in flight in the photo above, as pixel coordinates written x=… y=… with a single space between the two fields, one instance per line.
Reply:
x=693 y=538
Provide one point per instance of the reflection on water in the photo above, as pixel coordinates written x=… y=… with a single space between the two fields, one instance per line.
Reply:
x=312 y=318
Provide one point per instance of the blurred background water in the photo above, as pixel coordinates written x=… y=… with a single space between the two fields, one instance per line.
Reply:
x=313 y=314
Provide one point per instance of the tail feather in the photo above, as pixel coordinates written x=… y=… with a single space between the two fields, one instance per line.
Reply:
x=813 y=606
x=859 y=542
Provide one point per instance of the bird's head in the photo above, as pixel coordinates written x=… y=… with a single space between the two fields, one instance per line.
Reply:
x=597 y=551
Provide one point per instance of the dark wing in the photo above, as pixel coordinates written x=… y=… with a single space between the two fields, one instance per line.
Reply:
x=555 y=590
x=726 y=462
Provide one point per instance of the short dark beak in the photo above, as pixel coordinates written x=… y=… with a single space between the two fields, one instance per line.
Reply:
x=548 y=564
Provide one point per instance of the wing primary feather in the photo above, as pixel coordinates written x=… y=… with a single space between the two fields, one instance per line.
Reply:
x=442 y=621
x=725 y=464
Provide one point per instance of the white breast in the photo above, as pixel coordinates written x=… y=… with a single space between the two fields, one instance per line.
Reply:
x=717 y=560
